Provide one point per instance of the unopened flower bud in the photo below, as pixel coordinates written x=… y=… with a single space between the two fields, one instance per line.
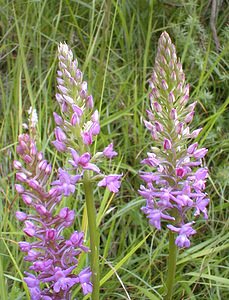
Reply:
x=24 y=246
x=19 y=188
x=23 y=145
x=180 y=87
x=167 y=145
x=179 y=67
x=83 y=94
x=180 y=172
x=173 y=114
x=60 y=135
x=61 y=64
x=155 y=93
x=68 y=99
x=60 y=81
x=87 y=137
x=179 y=128
x=42 y=165
x=54 y=192
x=39 y=156
x=157 y=107
x=186 y=131
x=148 y=125
x=32 y=256
x=41 y=209
x=27 y=159
x=21 y=216
x=50 y=234
x=154 y=77
x=84 y=85
x=173 y=76
x=59 y=98
x=27 y=199
x=200 y=153
x=58 y=119
x=192 y=106
x=95 y=116
x=186 y=90
x=90 y=101
x=34 y=184
x=195 y=133
x=19 y=150
x=74 y=119
x=151 y=116
x=17 y=165
x=158 y=126
x=62 y=89
x=162 y=72
x=29 y=229
x=95 y=128
x=67 y=74
x=163 y=60
x=189 y=117
x=21 y=177
x=171 y=97
x=74 y=64
x=60 y=146
x=48 y=169
x=167 y=53
x=78 y=110
x=79 y=75
x=154 y=134
x=164 y=85
x=151 y=84
x=183 y=100
x=192 y=148
x=33 y=149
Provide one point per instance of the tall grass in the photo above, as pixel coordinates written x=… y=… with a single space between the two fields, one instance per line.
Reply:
x=115 y=42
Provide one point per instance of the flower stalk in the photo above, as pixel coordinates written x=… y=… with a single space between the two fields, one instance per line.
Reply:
x=172 y=259
x=93 y=233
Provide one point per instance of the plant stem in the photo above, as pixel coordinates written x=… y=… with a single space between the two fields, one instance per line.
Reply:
x=171 y=266
x=93 y=233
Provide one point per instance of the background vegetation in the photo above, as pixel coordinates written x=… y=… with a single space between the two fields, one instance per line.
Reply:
x=115 y=43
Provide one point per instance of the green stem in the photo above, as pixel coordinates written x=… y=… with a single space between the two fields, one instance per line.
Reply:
x=171 y=266
x=93 y=233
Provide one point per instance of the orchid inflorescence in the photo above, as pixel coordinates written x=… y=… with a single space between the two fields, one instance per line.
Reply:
x=79 y=124
x=53 y=258
x=176 y=179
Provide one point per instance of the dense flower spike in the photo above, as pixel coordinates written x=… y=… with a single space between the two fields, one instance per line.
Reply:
x=53 y=257
x=75 y=132
x=79 y=124
x=176 y=184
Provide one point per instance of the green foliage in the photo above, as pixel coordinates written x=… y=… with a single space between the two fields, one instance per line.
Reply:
x=115 y=42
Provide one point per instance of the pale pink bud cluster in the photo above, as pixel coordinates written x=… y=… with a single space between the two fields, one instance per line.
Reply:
x=79 y=124
x=53 y=258
x=175 y=181
x=78 y=121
